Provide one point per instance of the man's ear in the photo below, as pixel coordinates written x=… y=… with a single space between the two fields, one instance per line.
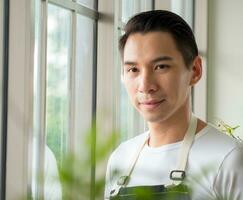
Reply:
x=196 y=70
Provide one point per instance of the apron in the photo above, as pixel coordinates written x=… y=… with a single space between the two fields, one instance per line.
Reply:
x=175 y=190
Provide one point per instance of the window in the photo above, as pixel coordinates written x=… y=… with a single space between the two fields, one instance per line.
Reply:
x=83 y=81
x=64 y=95
x=183 y=8
x=57 y=77
x=130 y=7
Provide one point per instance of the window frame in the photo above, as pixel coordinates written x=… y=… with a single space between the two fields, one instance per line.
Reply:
x=19 y=118
x=75 y=8
x=4 y=38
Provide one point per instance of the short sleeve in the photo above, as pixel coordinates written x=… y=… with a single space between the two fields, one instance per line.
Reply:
x=228 y=184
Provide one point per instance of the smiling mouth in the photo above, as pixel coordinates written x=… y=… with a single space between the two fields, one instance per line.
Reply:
x=151 y=104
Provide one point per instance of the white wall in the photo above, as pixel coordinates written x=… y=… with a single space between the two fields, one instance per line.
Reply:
x=225 y=67
x=201 y=34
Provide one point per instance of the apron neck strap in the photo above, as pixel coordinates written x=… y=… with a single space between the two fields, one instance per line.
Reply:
x=176 y=175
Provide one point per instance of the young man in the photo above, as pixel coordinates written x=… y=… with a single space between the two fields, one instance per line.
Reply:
x=160 y=66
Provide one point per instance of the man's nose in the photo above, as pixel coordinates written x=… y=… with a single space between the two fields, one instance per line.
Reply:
x=147 y=83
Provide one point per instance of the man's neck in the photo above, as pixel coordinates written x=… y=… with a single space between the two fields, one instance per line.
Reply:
x=170 y=130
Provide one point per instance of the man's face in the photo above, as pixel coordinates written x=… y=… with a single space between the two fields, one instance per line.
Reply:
x=155 y=76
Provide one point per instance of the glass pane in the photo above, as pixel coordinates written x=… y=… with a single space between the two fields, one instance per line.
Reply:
x=184 y=8
x=88 y=3
x=131 y=7
x=36 y=119
x=130 y=121
x=57 y=89
x=57 y=84
x=126 y=115
x=128 y=9
x=83 y=81
x=146 y=5
x=82 y=108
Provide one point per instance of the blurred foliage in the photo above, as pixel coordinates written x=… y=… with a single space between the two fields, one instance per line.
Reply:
x=229 y=130
x=75 y=170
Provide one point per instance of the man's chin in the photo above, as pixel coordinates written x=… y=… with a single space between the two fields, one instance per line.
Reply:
x=153 y=118
x=156 y=117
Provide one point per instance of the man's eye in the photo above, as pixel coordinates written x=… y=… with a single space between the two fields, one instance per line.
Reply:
x=162 y=66
x=132 y=69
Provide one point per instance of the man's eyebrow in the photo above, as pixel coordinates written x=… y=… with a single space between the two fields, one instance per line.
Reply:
x=158 y=59
x=129 y=63
x=161 y=58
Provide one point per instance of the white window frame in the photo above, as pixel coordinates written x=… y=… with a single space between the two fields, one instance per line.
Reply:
x=105 y=70
x=19 y=98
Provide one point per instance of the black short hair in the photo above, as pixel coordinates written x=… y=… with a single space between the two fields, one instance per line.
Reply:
x=165 y=21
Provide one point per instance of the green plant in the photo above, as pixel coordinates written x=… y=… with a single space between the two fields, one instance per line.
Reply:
x=76 y=173
x=229 y=130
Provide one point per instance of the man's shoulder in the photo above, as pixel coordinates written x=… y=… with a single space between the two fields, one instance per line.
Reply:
x=129 y=147
x=214 y=143
x=133 y=143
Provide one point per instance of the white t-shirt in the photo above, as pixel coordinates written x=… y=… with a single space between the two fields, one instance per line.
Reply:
x=214 y=168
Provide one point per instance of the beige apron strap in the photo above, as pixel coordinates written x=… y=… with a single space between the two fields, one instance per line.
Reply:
x=178 y=174
x=123 y=180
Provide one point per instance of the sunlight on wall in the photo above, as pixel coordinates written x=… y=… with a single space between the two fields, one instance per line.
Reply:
x=225 y=94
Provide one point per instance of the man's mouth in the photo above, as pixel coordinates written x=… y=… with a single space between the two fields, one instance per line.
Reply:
x=151 y=104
